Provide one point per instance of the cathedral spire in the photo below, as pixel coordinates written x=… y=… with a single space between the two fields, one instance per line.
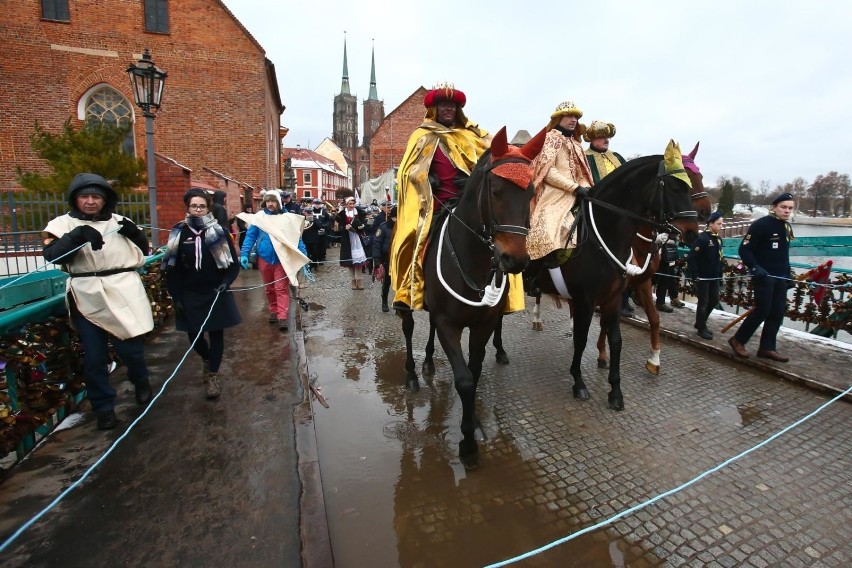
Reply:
x=374 y=96
x=344 y=85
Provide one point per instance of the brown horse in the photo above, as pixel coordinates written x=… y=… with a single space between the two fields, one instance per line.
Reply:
x=472 y=249
x=646 y=249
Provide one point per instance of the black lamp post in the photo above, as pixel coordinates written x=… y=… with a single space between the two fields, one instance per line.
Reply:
x=147 y=81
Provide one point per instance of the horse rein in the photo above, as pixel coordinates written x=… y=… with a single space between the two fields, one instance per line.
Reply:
x=664 y=227
x=490 y=294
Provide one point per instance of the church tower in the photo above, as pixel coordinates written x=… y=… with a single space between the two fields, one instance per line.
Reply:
x=345 y=130
x=374 y=109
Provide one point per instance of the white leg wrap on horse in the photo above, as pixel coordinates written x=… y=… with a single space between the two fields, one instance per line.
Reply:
x=654 y=359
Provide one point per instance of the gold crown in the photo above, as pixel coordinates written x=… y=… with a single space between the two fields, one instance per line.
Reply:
x=567 y=108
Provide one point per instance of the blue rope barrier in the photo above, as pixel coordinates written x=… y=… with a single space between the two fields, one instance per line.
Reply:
x=670 y=492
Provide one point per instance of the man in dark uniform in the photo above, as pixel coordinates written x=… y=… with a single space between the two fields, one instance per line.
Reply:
x=314 y=236
x=381 y=251
x=288 y=205
x=705 y=268
x=765 y=249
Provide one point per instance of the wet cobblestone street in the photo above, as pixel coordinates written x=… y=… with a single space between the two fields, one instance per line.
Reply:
x=396 y=494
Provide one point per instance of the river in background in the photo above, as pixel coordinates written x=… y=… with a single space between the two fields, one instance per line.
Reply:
x=800 y=230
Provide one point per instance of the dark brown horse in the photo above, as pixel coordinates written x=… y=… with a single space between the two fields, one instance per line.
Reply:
x=640 y=192
x=646 y=249
x=471 y=251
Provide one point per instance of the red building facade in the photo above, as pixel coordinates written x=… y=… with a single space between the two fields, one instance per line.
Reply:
x=221 y=107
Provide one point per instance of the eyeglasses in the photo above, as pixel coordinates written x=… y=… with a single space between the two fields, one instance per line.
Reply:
x=198 y=207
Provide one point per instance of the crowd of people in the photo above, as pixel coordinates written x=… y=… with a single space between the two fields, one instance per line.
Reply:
x=102 y=250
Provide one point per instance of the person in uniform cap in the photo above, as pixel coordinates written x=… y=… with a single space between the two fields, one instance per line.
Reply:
x=602 y=160
x=288 y=205
x=765 y=250
x=314 y=235
x=705 y=261
x=381 y=248
x=101 y=250
x=438 y=160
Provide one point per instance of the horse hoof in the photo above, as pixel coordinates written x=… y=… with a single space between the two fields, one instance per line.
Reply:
x=538 y=326
x=616 y=403
x=502 y=358
x=652 y=368
x=428 y=368
x=602 y=364
x=581 y=393
x=412 y=385
x=469 y=455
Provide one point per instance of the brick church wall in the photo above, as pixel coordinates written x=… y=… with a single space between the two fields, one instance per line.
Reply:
x=391 y=138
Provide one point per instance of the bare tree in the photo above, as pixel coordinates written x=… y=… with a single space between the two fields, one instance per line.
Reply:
x=828 y=189
x=742 y=188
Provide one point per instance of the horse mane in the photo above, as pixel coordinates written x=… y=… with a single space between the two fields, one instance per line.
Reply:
x=624 y=174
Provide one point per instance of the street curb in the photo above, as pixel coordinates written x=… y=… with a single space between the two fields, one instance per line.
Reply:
x=313 y=523
x=750 y=362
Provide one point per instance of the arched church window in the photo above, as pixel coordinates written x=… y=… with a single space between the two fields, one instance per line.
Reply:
x=106 y=106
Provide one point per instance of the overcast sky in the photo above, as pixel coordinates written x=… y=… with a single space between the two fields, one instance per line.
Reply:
x=766 y=86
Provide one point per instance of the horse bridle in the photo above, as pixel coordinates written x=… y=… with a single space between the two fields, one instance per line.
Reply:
x=663 y=223
x=486 y=232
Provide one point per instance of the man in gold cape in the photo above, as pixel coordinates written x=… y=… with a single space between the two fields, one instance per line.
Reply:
x=440 y=155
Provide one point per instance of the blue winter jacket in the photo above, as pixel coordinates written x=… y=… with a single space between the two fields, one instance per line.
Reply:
x=264 y=243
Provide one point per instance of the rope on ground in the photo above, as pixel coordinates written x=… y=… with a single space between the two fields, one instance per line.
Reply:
x=670 y=492
x=112 y=447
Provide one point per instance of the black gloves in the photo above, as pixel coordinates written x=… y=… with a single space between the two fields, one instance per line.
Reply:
x=759 y=272
x=128 y=229
x=221 y=288
x=87 y=234
x=581 y=192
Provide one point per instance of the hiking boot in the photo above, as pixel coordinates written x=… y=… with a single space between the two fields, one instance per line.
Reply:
x=677 y=303
x=385 y=307
x=664 y=308
x=282 y=325
x=107 y=420
x=705 y=334
x=214 y=390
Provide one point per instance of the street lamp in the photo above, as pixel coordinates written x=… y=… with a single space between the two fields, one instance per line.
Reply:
x=147 y=81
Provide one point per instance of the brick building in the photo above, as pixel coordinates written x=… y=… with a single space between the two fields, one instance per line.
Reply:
x=220 y=120
x=391 y=137
x=316 y=175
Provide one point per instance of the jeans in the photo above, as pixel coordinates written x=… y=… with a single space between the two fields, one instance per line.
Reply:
x=95 y=342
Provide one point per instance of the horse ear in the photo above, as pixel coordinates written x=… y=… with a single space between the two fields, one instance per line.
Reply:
x=499 y=145
x=694 y=151
x=533 y=148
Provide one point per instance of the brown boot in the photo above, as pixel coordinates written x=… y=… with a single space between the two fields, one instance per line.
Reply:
x=358 y=284
x=739 y=348
x=354 y=284
x=214 y=389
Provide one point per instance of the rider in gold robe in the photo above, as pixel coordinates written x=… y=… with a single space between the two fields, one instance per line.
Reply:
x=560 y=174
x=439 y=158
x=602 y=160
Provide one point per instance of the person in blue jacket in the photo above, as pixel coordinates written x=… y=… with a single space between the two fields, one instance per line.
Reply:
x=765 y=249
x=276 y=283
x=705 y=268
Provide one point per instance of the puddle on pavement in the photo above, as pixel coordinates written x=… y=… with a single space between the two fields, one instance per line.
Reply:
x=740 y=415
x=397 y=495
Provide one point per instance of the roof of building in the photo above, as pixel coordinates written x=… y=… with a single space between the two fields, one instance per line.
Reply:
x=304 y=158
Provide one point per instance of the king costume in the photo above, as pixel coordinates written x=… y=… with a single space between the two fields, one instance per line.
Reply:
x=557 y=172
x=601 y=163
x=447 y=155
